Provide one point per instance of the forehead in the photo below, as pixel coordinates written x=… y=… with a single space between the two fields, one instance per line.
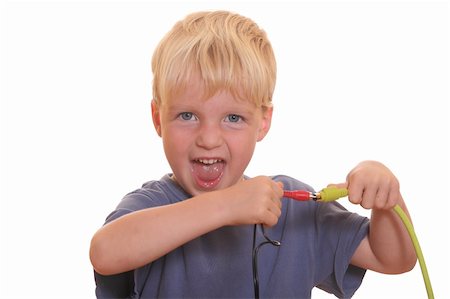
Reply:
x=222 y=101
x=195 y=90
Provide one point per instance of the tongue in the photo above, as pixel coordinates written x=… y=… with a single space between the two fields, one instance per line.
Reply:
x=208 y=174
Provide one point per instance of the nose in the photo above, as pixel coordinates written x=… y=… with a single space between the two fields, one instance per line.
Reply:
x=209 y=136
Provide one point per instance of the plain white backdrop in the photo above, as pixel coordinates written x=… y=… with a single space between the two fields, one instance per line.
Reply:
x=357 y=80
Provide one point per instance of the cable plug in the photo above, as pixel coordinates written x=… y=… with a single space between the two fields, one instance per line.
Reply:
x=331 y=194
x=301 y=195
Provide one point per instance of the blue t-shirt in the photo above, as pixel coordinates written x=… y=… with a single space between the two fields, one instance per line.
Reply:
x=317 y=243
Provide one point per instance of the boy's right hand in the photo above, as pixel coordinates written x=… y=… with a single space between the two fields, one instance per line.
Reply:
x=253 y=201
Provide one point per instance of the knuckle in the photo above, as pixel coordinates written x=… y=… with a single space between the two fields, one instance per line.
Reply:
x=354 y=200
x=272 y=221
x=260 y=211
x=395 y=184
x=366 y=205
x=380 y=204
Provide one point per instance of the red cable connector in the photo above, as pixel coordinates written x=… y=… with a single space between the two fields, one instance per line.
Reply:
x=302 y=195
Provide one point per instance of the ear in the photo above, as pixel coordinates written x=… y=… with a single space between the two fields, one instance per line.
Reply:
x=156 y=117
x=265 y=123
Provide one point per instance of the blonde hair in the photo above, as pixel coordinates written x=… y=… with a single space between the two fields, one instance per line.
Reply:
x=225 y=50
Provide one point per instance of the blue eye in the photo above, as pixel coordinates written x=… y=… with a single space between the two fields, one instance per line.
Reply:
x=186 y=115
x=234 y=118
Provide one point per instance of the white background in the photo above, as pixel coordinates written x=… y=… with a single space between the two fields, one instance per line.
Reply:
x=356 y=80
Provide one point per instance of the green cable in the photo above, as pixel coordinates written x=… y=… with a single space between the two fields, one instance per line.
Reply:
x=332 y=193
x=416 y=244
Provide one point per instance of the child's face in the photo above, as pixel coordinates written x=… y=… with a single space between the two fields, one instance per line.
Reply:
x=208 y=144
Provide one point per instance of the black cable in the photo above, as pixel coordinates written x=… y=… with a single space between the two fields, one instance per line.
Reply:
x=255 y=256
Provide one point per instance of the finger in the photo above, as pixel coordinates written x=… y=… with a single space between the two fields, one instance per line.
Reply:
x=394 y=197
x=280 y=184
x=355 y=193
x=277 y=202
x=276 y=210
x=270 y=219
x=278 y=188
x=368 y=197
x=387 y=195
x=381 y=198
x=340 y=185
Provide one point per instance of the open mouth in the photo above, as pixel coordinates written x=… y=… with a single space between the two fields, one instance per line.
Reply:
x=208 y=172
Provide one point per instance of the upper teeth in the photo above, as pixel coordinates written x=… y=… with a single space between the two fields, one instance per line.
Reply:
x=208 y=161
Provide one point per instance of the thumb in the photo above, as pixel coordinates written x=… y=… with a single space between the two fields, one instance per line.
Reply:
x=281 y=188
x=280 y=184
x=340 y=185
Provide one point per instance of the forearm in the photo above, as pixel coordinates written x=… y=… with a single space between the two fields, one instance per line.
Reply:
x=141 y=237
x=390 y=242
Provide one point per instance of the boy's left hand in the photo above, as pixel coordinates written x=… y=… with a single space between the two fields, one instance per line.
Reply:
x=387 y=248
x=373 y=186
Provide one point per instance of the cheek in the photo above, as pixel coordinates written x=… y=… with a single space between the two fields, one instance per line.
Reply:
x=175 y=142
x=243 y=146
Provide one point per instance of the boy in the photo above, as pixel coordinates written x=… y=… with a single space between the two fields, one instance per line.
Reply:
x=190 y=234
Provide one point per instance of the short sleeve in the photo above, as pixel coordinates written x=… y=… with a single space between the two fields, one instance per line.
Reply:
x=339 y=234
x=124 y=285
x=114 y=286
